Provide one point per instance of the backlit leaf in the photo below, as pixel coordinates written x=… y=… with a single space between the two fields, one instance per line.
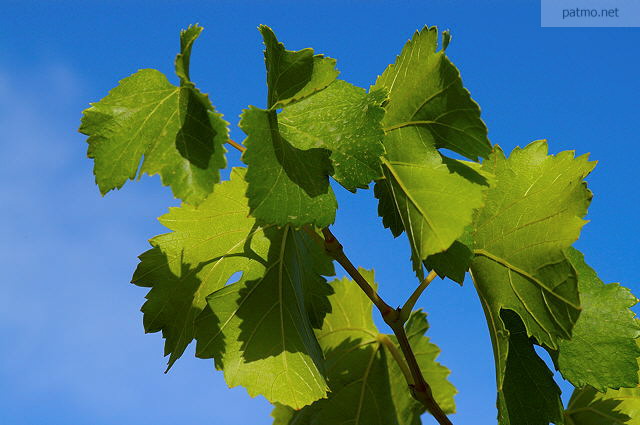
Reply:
x=431 y=197
x=532 y=214
x=367 y=386
x=602 y=351
x=173 y=130
x=345 y=120
x=286 y=184
x=259 y=331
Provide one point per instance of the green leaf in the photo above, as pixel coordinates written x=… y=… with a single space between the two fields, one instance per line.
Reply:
x=282 y=270
x=452 y=263
x=529 y=395
x=345 y=120
x=617 y=407
x=293 y=75
x=367 y=386
x=602 y=351
x=426 y=95
x=286 y=184
x=430 y=196
x=259 y=331
x=532 y=214
x=207 y=245
x=175 y=129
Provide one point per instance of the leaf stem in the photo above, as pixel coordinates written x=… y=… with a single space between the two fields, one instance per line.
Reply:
x=334 y=248
x=420 y=389
x=236 y=145
x=407 y=308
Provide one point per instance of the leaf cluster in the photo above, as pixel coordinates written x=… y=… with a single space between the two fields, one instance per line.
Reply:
x=310 y=346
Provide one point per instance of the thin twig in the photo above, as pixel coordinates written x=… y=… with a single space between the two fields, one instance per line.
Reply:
x=236 y=145
x=407 y=308
x=420 y=389
x=334 y=248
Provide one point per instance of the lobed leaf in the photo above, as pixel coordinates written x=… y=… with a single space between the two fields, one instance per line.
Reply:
x=616 y=407
x=602 y=351
x=367 y=386
x=207 y=245
x=286 y=185
x=293 y=75
x=259 y=331
x=426 y=94
x=175 y=129
x=430 y=196
x=345 y=120
x=532 y=215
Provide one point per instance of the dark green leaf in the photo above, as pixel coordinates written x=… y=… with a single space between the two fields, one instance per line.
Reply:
x=529 y=394
x=293 y=75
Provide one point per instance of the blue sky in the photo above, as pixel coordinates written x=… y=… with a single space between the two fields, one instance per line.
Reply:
x=73 y=349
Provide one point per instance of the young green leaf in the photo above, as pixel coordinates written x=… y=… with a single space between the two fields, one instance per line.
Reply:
x=293 y=75
x=532 y=214
x=207 y=245
x=429 y=196
x=539 y=199
x=286 y=185
x=367 y=385
x=175 y=129
x=604 y=337
x=616 y=407
x=259 y=331
x=345 y=120
x=426 y=94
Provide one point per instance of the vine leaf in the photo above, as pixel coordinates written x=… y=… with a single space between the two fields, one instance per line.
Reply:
x=604 y=337
x=452 y=263
x=345 y=120
x=616 y=407
x=175 y=129
x=427 y=95
x=367 y=386
x=281 y=272
x=285 y=184
x=532 y=214
x=293 y=75
x=430 y=196
x=207 y=245
x=529 y=395
x=259 y=331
